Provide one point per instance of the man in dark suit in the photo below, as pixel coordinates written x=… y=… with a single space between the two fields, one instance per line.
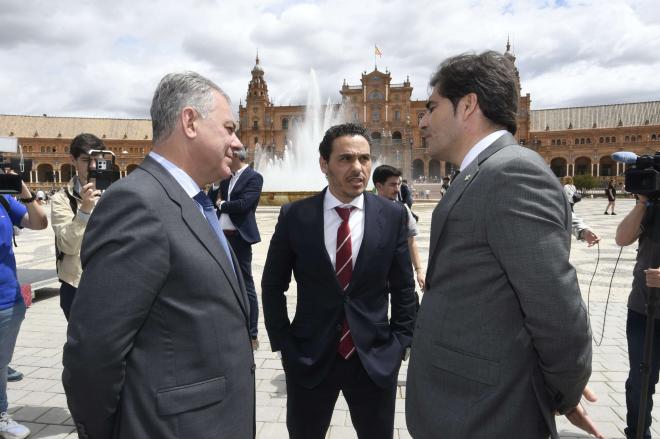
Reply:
x=502 y=341
x=158 y=344
x=348 y=251
x=405 y=195
x=236 y=201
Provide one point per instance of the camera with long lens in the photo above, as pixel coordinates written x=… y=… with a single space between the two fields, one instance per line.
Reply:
x=12 y=183
x=644 y=177
x=102 y=168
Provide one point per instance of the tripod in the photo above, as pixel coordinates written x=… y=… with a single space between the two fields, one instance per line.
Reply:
x=645 y=366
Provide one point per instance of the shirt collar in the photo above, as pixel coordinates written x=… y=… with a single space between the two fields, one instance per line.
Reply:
x=330 y=201
x=481 y=145
x=184 y=180
x=240 y=171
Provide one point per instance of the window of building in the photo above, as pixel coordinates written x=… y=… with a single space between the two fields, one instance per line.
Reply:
x=588 y=141
x=653 y=137
x=397 y=115
x=626 y=139
x=375 y=115
x=285 y=123
x=375 y=95
x=255 y=125
x=613 y=139
x=602 y=140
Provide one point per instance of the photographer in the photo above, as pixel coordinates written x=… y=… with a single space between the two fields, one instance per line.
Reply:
x=71 y=209
x=28 y=214
x=641 y=224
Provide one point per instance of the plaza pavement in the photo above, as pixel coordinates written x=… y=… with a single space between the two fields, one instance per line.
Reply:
x=39 y=401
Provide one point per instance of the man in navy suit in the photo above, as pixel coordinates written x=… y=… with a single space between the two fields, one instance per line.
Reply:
x=348 y=250
x=236 y=201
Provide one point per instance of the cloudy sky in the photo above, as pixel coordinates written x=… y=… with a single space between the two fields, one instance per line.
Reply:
x=104 y=58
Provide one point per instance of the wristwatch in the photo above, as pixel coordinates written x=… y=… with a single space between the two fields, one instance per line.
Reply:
x=28 y=200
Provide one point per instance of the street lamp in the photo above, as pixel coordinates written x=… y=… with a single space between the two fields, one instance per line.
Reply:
x=410 y=143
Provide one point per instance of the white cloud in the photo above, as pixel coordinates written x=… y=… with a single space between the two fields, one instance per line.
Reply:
x=105 y=58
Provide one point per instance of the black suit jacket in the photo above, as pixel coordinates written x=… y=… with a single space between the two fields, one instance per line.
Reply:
x=243 y=203
x=158 y=344
x=382 y=271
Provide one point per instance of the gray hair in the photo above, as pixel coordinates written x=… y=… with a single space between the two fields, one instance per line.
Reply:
x=175 y=92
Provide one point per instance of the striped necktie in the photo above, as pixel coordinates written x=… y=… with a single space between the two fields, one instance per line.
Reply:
x=344 y=270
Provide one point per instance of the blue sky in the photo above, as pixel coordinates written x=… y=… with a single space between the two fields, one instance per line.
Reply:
x=105 y=58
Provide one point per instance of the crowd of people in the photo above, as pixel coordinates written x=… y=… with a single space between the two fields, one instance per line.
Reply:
x=162 y=307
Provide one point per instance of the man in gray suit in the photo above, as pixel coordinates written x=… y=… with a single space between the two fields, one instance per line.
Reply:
x=502 y=339
x=158 y=344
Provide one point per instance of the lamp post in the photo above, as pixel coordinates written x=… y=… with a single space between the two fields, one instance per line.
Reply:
x=410 y=143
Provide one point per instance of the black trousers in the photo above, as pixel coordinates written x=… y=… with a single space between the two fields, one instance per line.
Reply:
x=635 y=331
x=67 y=293
x=309 y=411
x=243 y=250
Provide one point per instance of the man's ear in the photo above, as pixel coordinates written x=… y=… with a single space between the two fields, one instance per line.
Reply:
x=469 y=104
x=324 y=165
x=189 y=120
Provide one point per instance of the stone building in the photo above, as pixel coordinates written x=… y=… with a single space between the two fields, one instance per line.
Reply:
x=573 y=141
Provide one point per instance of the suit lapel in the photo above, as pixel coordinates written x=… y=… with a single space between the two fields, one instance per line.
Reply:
x=245 y=176
x=319 y=235
x=197 y=224
x=373 y=226
x=455 y=191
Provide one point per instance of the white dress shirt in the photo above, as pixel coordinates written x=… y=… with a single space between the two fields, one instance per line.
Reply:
x=225 y=221
x=481 y=145
x=185 y=181
x=332 y=220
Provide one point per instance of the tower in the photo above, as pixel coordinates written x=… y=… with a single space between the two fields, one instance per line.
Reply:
x=255 y=117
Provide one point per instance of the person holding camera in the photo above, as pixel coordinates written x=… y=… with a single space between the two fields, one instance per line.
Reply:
x=28 y=213
x=71 y=209
x=641 y=225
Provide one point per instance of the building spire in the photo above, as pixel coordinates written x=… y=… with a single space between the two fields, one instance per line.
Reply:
x=257 y=57
x=508 y=43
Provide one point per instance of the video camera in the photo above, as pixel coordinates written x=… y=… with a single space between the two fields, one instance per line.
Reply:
x=102 y=168
x=12 y=183
x=643 y=178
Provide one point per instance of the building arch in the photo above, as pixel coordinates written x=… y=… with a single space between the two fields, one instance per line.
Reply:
x=396 y=135
x=434 y=170
x=418 y=168
x=45 y=173
x=558 y=166
x=583 y=166
x=67 y=171
x=607 y=166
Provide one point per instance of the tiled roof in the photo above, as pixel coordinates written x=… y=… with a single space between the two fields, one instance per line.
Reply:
x=70 y=127
x=601 y=116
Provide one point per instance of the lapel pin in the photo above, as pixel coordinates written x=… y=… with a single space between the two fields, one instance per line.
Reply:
x=468 y=177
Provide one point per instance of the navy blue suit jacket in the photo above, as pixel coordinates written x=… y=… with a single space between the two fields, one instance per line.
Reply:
x=382 y=271
x=243 y=203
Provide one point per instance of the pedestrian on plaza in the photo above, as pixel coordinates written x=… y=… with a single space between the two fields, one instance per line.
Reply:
x=158 y=343
x=581 y=230
x=444 y=187
x=236 y=201
x=348 y=251
x=405 y=194
x=500 y=345
x=70 y=212
x=610 y=192
x=641 y=225
x=387 y=180
x=29 y=214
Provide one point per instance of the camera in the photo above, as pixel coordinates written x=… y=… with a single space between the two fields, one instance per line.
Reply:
x=102 y=168
x=644 y=177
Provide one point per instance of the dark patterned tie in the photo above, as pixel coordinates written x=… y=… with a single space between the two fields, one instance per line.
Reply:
x=344 y=270
x=209 y=212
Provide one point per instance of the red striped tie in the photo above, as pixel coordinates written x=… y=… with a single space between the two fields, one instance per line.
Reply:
x=344 y=270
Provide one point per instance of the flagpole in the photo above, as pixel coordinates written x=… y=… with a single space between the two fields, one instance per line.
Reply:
x=375 y=65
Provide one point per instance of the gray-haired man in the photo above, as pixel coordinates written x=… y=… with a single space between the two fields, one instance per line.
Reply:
x=158 y=343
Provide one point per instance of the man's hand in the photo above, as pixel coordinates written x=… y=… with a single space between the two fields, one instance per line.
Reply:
x=591 y=238
x=420 y=278
x=653 y=277
x=90 y=196
x=579 y=417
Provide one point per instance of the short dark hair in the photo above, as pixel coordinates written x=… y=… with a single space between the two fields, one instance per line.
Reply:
x=83 y=143
x=491 y=76
x=382 y=173
x=334 y=132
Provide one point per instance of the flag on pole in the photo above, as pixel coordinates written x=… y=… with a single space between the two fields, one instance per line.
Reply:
x=377 y=51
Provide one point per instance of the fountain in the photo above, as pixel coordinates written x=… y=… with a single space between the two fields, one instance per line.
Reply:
x=297 y=174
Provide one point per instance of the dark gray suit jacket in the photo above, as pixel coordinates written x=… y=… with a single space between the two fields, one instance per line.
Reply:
x=502 y=338
x=158 y=344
